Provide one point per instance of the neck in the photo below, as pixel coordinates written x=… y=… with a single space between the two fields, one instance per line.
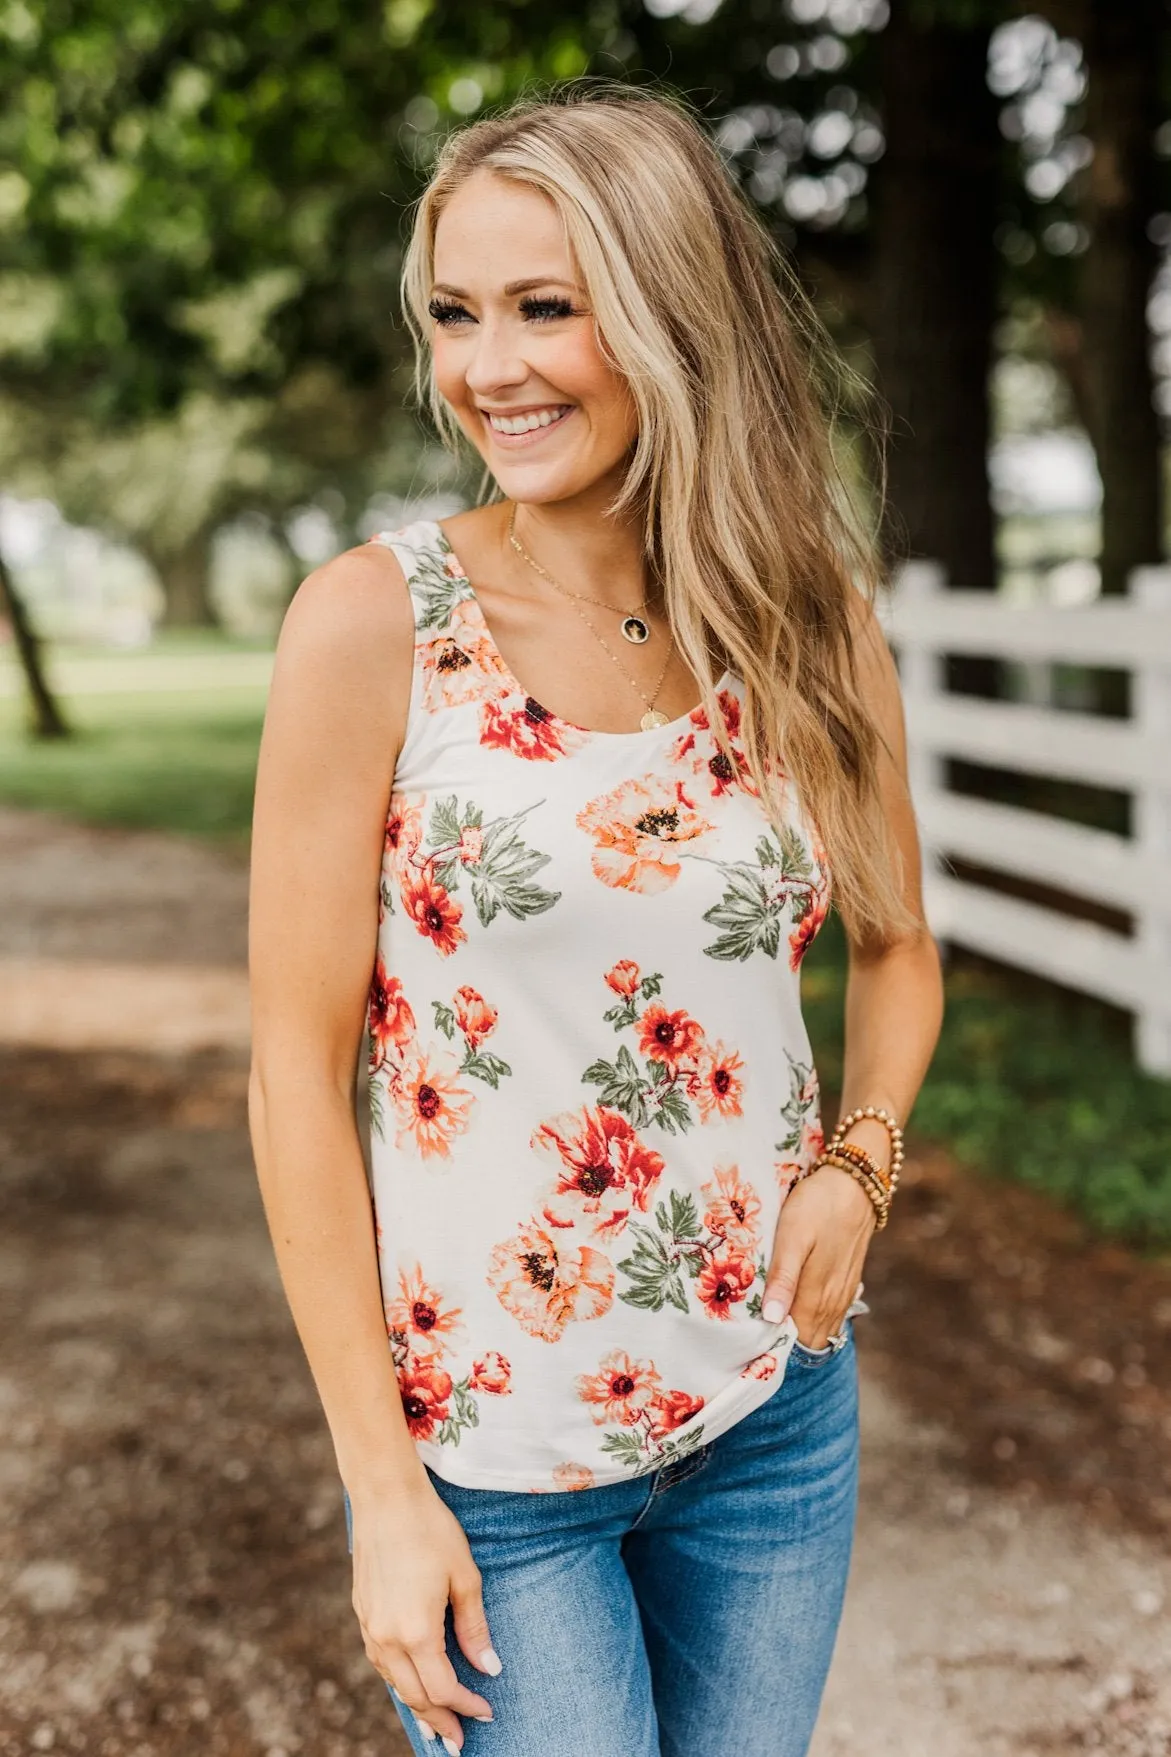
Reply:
x=582 y=548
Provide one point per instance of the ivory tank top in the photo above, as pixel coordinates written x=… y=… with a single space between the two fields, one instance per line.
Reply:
x=590 y=1083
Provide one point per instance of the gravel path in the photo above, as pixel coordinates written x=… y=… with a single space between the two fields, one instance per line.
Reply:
x=172 y=1562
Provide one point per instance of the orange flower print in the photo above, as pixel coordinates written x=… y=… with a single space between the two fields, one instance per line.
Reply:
x=545 y=1288
x=433 y=910
x=761 y=1366
x=717 y=1083
x=620 y=1390
x=391 y=1021
x=672 y=1408
x=424 y=1388
x=461 y=664
x=572 y=1476
x=624 y=977
x=417 y=1314
x=669 y=1037
x=789 y=1173
x=639 y=830
x=723 y=1282
x=527 y=730
x=804 y=934
x=475 y=1018
x=733 y=1208
x=471 y=845
x=604 y=1168
x=431 y=1106
x=491 y=1373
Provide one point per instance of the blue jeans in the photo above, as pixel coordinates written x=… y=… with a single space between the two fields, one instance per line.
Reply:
x=687 y=1612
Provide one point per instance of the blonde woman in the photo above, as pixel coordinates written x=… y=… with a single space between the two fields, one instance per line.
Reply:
x=551 y=796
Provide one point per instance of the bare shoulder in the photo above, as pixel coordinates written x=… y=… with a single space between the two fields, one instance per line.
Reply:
x=358 y=598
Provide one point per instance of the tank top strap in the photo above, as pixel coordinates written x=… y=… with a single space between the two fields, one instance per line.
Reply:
x=436 y=581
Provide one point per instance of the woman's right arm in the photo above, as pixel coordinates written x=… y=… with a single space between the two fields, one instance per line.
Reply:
x=336 y=713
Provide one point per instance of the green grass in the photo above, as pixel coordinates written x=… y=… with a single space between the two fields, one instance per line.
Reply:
x=184 y=761
x=1031 y=1085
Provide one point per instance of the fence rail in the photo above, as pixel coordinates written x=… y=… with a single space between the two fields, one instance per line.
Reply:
x=928 y=623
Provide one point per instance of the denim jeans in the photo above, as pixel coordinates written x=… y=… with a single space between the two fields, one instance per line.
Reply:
x=688 y=1612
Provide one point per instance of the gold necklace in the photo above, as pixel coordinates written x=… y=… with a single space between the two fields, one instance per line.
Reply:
x=652 y=717
x=634 y=628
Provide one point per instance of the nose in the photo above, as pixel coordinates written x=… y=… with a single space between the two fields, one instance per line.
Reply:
x=494 y=363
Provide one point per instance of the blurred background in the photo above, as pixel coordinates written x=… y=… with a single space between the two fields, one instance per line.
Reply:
x=205 y=393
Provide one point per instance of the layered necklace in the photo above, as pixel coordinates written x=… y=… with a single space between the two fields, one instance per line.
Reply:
x=633 y=627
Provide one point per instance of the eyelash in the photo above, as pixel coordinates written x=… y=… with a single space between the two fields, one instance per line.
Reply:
x=546 y=310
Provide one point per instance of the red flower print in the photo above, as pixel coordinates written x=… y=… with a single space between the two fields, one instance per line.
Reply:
x=672 y=1408
x=723 y=1282
x=733 y=1208
x=761 y=1366
x=573 y=1476
x=620 y=1390
x=699 y=750
x=404 y=827
x=638 y=830
x=431 y=1106
x=491 y=1373
x=623 y=978
x=527 y=730
x=668 y=1037
x=805 y=932
x=475 y=1018
x=812 y=1141
x=433 y=910
x=543 y=1287
x=424 y=1388
x=789 y=1173
x=717 y=1082
x=604 y=1170
x=417 y=1313
x=392 y=1023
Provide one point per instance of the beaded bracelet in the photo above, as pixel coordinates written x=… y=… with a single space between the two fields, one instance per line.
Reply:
x=879 y=1198
x=874 y=1113
x=865 y=1162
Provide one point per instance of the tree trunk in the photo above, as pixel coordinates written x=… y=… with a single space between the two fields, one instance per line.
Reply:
x=1122 y=46
x=45 y=717
x=185 y=577
x=934 y=292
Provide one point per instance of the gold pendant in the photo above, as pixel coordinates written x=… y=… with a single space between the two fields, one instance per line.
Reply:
x=653 y=718
x=635 y=630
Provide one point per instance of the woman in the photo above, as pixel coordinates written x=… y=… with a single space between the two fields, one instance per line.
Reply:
x=600 y=1487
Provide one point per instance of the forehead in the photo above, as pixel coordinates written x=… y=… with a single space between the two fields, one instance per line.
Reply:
x=494 y=230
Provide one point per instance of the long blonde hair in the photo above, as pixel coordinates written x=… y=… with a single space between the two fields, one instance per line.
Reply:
x=747 y=527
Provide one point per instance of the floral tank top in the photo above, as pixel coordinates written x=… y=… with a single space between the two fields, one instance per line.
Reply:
x=590 y=1083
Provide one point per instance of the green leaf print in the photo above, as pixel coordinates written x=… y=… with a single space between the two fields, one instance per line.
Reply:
x=377 y=1115
x=797 y=1107
x=484 y=1066
x=623 y=1086
x=683 y=1221
x=672 y=1112
x=464 y=1414
x=501 y=878
x=444 y=1018
x=625 y=1447
x=795 y=861
x=755 y=1300
x=653 y=1269
x=748 y=914
x=436 y=593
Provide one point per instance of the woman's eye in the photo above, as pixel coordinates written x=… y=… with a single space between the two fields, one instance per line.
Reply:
x=544 y=310
x=445 y=312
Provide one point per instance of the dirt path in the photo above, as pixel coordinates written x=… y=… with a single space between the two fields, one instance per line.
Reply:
x=173 y=1575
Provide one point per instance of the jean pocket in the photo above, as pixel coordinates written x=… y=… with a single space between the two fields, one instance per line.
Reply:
x=812 y=1358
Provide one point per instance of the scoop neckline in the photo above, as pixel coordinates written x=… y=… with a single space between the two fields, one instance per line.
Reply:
x=671 y=727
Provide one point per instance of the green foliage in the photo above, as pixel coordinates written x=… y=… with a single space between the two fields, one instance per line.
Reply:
x=1032 y=1087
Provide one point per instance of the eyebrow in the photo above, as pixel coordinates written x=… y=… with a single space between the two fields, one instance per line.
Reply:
x=513 y=287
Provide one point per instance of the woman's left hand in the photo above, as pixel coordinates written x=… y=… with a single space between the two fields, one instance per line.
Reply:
x=819 y=1247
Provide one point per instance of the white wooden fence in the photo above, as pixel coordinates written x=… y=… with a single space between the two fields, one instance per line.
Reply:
x=926 y=622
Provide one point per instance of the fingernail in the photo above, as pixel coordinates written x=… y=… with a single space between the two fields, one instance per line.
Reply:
x=490 y=1662
x=773 y=1311
x=481 y=1717
x=450 y=1746
x=425 y=1727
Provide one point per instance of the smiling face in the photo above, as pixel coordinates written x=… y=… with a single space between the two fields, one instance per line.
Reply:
x=515 y=350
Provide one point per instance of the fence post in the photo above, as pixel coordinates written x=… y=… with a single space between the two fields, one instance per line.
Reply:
x=923 y=679
x=1151 y=709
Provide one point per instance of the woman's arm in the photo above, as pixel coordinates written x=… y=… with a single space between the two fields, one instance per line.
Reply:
x=336 y=713
x=894 y=1005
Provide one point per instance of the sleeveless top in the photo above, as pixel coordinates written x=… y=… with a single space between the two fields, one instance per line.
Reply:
x=590 y=1083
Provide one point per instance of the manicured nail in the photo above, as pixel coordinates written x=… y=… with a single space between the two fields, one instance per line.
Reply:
x=425 y=1727
x=450 y=1746
x=481 y=1717
x=490 y=1662
x=773 y=1311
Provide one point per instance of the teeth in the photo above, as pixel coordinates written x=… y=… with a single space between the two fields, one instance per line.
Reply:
x=526 y=423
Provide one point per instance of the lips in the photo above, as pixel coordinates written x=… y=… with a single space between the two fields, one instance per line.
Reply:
x=529 y=434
